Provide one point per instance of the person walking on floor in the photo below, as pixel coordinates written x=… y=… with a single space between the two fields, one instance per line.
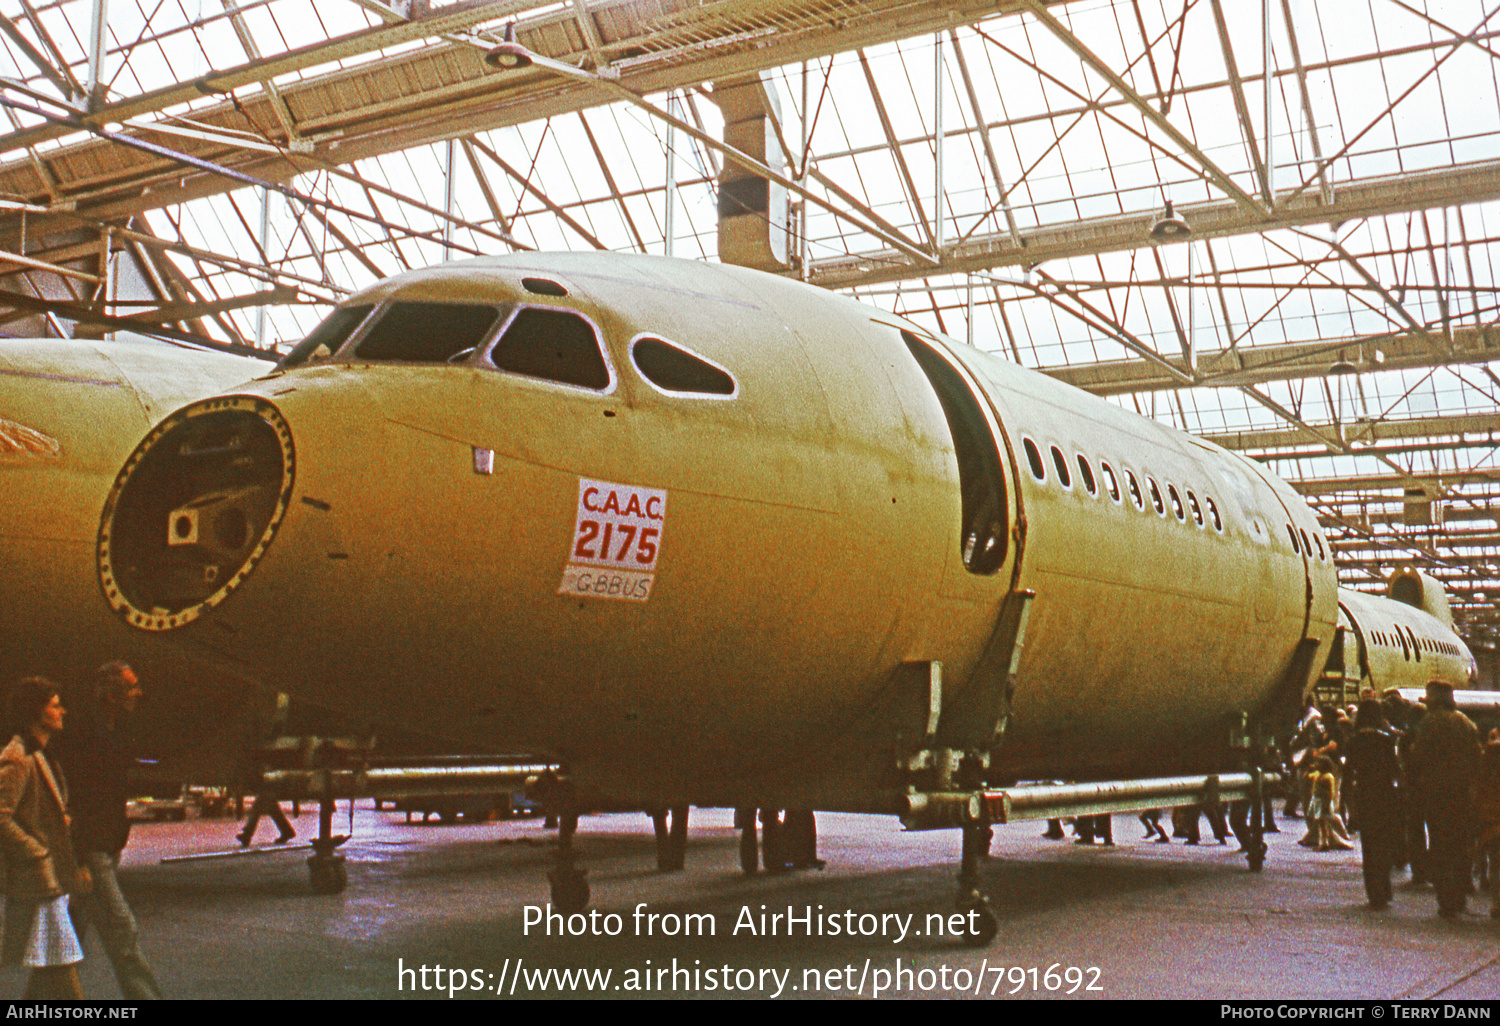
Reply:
x=97 y=761
x=41 y=871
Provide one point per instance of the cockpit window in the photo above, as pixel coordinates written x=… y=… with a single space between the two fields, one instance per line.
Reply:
x=426 y=332
x=325 y=339
x=554 y=345
x=676 y=370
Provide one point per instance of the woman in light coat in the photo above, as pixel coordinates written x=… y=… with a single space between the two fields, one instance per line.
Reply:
x=41 y=870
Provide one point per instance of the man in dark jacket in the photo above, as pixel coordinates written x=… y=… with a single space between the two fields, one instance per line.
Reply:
x=97 y=763
x=1372 y=773
x=1445 y=756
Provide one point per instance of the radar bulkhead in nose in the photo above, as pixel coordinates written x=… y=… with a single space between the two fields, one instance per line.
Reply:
x=194 y=509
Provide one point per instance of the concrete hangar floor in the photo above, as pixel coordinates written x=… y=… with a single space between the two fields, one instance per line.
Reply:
x=1139 y=920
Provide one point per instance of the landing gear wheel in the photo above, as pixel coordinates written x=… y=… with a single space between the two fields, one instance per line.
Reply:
x=570 y=890
x=983 y=923
x=328 y=874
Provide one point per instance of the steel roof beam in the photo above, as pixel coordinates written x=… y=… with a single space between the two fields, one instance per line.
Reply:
x=1211 y=169
x=1391 y=482
x=1486 y=424
x=455 y=17
x=1241 y=107
x=1286 y=361
x=1360 y=198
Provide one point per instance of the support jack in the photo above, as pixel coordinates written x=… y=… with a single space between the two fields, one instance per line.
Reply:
x=570 y=888
x=983 y=923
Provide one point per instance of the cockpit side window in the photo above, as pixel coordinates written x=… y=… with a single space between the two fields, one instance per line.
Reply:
x=676 y=371
x=983 y=538
x=324 y=340
x=553 y=345
x=426 y=332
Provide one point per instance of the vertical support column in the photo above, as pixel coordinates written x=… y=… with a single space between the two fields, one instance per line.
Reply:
x=1192 y=318
x=448 y=199
x=670 y=226
x=105 y=293
x=96 y=54
x=265 y=234
x=753 y=209
x=937 y=144
x=969 y=284
x=802 y=160
x=1270 y=86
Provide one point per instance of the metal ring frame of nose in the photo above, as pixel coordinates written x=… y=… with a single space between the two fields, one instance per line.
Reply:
x=118 y=591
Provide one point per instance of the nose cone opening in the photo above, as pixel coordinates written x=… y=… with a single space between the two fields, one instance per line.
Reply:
x=194 y=509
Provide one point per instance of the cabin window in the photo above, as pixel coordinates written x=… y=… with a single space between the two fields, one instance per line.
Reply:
x=1416 y=649
x=552 y=345
x=675 y=370
x=324 y=340
x=1319 y=539
x=1193 y=506
x=543 y=287
x=1034 y=458
x=1156 y=503
x=1061 y=463
x=1135 y=490
x=1177 y=510
x=1291 y=533
x=983 y=533
x=1111 y=485
x=1213 y=513
x=427 y=332
x=1086 y=472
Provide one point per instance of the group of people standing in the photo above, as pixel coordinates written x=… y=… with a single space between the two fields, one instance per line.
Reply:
x=62 y=844
x=1422 y=790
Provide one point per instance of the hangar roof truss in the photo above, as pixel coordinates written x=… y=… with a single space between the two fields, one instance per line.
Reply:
x=1321 y=294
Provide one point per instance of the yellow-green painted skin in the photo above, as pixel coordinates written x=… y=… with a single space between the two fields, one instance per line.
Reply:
x=95 y=400
x=1382 y=662
x=811 y=546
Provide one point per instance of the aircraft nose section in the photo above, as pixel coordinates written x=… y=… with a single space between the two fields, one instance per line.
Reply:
x=194 y=509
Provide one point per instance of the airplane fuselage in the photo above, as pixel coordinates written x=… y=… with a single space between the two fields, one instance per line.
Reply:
x=690 y=527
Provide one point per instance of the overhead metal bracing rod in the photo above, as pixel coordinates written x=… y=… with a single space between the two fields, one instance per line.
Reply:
x=190 y=288
x=1396 y=485
x=1211 y=168
x=64 y=83
x=1359 y=198
x=1189 y=354
x=84 y=314
x=1100 y=321
x=609 y=180
x=864 y=219
x=546 y=200
x=1288 y=361
x=893 y=146
x=1406 y=545
x=406 y=199
x=1310 y=122
x=1454 y=47
x=1088 y=106
x=1370 y=281
x=984 y=138
x=218 y=169
x=364 y=41
x=1241 y=107
x=278 y=103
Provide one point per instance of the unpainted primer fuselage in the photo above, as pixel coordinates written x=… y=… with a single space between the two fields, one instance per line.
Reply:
x=424 y=566
x=71 y=410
